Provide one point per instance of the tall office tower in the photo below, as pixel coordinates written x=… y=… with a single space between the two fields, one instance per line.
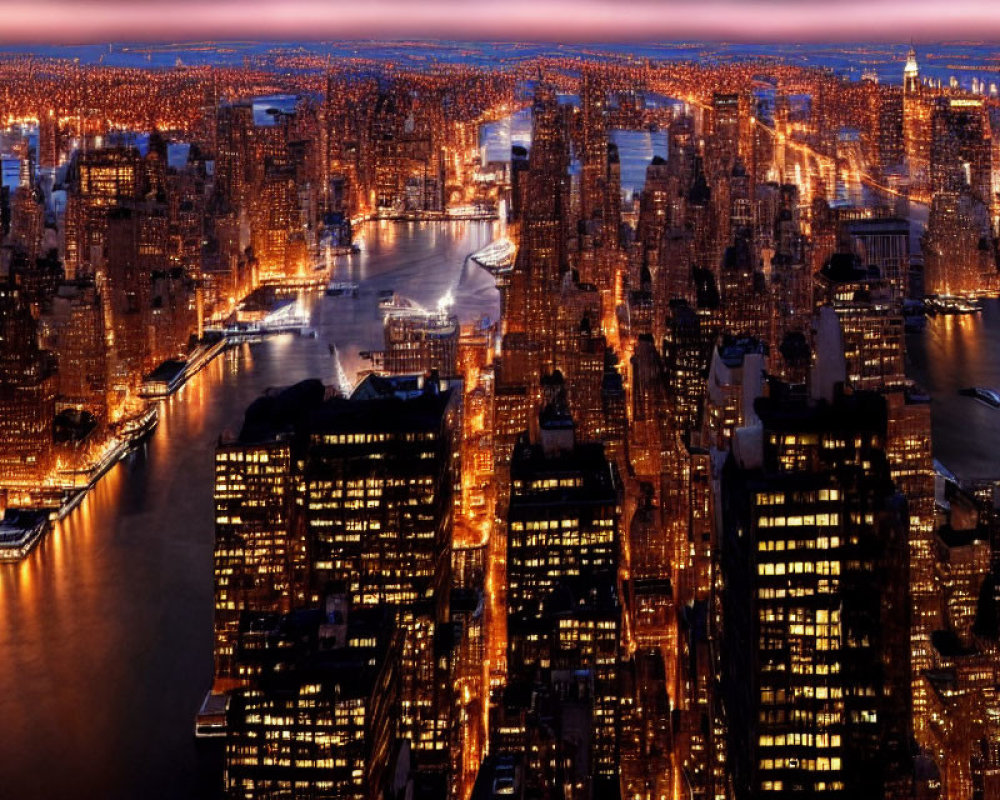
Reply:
x=961 y=730
x=672 y=278
x=960 y=148
x=594 y=152
x=916 y=126
x=613 y=200
x=639 y=308
x=104 y=179
x=646 y=726
x=234 y=134
x=419 y=342
x=584 y=373
x=815 y=599
x=654 y=212
x=768 y=202
x=884 y=131
x=740 y=201
x=539 y=263
x=27 y=399
x=687 y=351
x=649 y=423
x=564 y=511
x=320 y=492
x=911 y=462
x=650 y=570
x=27 y=223
x=76 y=324
x=571 y=641
x=126 y=282
x=959 y=247
x=49 y=139
x=735 y=380
x=728 y=112
x=562 y=566
x=682 y=148
x=871 y=319
x=317 y=716
x=746 y=298
x=703 y=222
x=963 y=562
x=614 y=404
x=376 y=488
x=274 y=220
x=260 y=552
x=885 y=243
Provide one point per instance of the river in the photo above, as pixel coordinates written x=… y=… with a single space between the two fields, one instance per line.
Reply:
x=106 y=628
x=952 y=353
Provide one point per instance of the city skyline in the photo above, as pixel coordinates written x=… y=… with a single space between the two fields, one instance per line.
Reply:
x=460 y=421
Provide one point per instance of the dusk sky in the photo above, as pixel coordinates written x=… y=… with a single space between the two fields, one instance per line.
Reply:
x=77 y=21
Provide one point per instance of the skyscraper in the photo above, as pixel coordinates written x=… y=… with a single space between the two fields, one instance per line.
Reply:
x=814 y=560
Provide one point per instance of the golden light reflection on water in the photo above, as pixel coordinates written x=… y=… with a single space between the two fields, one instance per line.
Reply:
x=106 y=624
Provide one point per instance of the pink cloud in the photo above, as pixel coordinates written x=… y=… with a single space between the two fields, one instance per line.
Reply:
x=553 y=20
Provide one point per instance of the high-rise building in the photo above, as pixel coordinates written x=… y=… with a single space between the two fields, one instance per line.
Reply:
x=418 y=342
x=871 y=319
x=961 y=150
x=27 y=399
x=260 y=553
x=564 y=512
x=814 y=564
x=317 y=717
x=916 y=126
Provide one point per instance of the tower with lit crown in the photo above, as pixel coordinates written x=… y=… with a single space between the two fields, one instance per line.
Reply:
x=916 y=125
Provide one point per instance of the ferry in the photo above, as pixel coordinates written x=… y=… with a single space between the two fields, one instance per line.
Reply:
x=497 y=257
x=20 y=530
x=948 y=304
x=395 y=305
x=990 y=397
x=342 y=288
x=210 y=722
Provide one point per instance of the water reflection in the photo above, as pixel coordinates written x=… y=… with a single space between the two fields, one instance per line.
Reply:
x=105 y=629
x=952 y=353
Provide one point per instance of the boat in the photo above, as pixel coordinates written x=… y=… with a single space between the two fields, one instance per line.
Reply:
x=990 y=397
x=950 y=304
x=341 y=288
x=210 y=722
x=395 y=305
x=20 y=530
x=497 y=257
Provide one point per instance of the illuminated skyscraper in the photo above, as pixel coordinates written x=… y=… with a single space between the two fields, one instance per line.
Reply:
x=260 y=554
x=870 y=314
x=916 y=126
x=816 y=651
x=317 y=717
x=27 y=398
